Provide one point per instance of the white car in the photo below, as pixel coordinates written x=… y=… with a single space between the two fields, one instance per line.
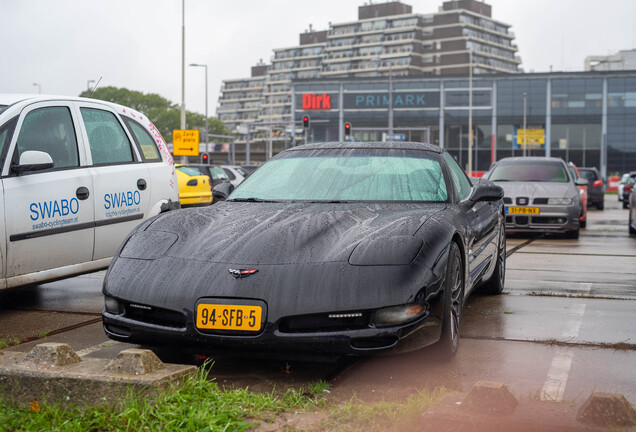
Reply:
x=77 y=175
x=235 y=174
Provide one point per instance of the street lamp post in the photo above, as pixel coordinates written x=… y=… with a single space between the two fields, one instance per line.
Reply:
x=391 y=100
x=470 y=113
x=207 y=141
x=39 y=86
x=525 y=143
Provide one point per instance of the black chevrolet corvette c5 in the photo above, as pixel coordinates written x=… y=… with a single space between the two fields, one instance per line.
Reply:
x=334 y=248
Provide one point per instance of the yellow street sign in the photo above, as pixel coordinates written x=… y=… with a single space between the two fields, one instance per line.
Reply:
x=185 y=142
x=531 y=138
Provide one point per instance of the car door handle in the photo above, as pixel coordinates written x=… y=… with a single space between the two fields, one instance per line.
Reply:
x=82 y=193
x=141 y=184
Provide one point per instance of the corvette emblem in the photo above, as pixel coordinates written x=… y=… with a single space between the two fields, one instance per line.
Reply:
x=242 y=273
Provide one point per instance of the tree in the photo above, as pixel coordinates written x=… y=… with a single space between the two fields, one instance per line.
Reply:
x=165 y=115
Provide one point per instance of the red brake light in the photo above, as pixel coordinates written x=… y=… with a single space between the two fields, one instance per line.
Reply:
x=598 y=182
x=628 y=188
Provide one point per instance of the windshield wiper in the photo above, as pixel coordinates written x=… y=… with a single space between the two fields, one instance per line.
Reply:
x=329 y=202
x=250 y=199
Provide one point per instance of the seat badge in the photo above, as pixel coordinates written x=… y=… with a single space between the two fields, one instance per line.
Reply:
x=242 y=273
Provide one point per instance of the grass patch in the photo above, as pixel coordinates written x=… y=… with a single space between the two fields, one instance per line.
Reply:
x=354 y=416
x=4 y=343
x=199 y=405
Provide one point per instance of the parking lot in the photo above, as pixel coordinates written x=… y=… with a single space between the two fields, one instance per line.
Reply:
x=563 y=328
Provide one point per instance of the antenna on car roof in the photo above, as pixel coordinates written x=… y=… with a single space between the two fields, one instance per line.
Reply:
x=93 y=89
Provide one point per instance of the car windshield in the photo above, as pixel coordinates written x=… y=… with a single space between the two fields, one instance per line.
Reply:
x=530 y=171
x=588 y=174
x=347 y=175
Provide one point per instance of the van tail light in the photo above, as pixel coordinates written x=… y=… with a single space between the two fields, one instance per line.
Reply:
x=598 y=182
x=628 y=188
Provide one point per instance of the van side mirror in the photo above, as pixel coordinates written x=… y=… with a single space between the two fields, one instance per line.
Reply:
x=32 y=160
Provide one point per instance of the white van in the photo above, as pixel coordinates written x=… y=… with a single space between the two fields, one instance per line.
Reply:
x=77 y=175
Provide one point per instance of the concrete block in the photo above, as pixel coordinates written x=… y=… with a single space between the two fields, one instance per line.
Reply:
x=607 y=409
x=491 y=398
x=52 y=354
x=134 y=362
x=82 y=383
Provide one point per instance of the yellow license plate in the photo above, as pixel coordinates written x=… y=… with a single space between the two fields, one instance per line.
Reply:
x=522 y=210
x=229 y=317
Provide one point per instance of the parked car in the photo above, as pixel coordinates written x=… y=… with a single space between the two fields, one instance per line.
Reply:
x=216 y=173
x=628 y=186
x=235 y=174
x=540 y=195
x=621 y=185
x=582 y=185
x=194 y=187
x=632 y=211
x=595 y=188
x=77 y=176
x=333 y=248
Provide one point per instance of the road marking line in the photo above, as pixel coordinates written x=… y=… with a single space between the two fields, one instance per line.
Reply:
x=90 y=350
x=554 y=386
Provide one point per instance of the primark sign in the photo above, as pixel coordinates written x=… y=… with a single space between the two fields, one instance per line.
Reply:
x=364 y=101
x=411 y=100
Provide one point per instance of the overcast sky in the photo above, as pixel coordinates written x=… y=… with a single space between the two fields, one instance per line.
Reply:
x=61 y=44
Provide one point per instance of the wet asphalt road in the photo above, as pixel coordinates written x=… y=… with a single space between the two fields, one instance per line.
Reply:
x=565 y=326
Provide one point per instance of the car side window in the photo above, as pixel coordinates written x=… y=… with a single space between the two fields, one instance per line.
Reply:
x=50 y=130
x=462 y=184
x=6 y=133
x=144 y=141
x=106 y=137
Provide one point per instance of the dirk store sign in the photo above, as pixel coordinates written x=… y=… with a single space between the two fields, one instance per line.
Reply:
x=323 y=102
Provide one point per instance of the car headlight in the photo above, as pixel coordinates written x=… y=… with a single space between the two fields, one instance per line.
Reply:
x=560 y=201
x=112 y=305
x=398 y=314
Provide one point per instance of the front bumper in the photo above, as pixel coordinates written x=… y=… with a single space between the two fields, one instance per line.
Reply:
x=551 y=218
x=400 y=338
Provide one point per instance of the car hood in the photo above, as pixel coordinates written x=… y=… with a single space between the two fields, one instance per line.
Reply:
x=537 y=189
x=281 y=233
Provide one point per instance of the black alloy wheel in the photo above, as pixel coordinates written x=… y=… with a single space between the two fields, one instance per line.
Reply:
x=495 y=284
x=453 y=303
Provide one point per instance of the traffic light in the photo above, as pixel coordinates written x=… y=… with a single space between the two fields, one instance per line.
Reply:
x=306 y=122
x=205 y=158
x=347 y=127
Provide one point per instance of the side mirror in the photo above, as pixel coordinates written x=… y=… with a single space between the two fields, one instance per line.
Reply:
x=582 y=182
x=485 y=190
x=221 y=191
x=32 y=160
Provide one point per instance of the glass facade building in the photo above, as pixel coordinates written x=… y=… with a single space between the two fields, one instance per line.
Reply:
x=588 y=118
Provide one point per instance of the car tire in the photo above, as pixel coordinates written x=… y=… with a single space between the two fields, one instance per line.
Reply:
x=625 y=204
x=572 y=234
x=495 y=284
x=583 y=223
x=600 y=205
x=453 y=303
x=632 y=231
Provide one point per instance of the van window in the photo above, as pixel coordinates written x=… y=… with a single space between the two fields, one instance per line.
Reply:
x=50 y=130
x=144 y=141
x=106 y=137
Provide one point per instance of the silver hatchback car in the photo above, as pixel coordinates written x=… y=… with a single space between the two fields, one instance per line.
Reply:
x=540 y=195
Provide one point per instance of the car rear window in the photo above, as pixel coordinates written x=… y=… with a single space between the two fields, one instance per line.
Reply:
x=588 y=174
x=530 y=171
x=190 y=171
